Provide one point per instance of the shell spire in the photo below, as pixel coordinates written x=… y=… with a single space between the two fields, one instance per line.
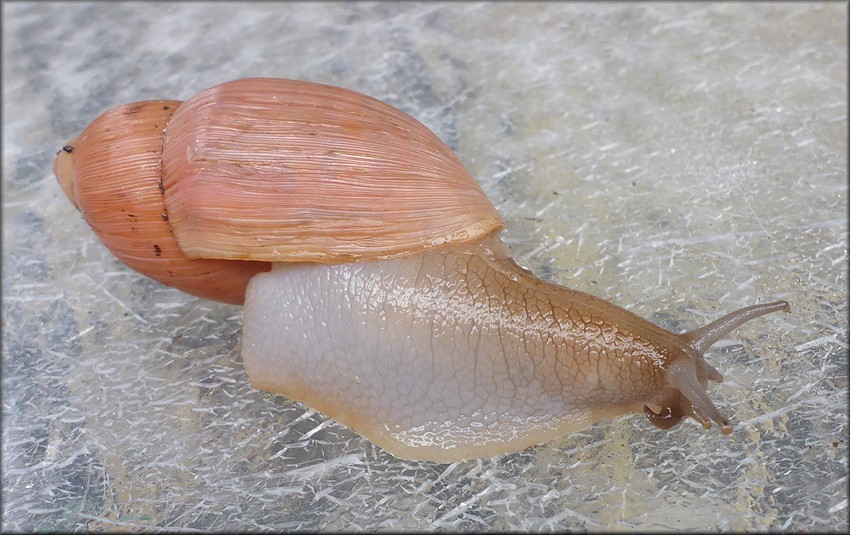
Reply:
x=112 y=173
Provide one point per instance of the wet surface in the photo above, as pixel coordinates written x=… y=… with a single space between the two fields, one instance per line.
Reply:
x=680 y=160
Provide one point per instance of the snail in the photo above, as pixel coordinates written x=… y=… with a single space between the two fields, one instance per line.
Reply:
x=376 y=288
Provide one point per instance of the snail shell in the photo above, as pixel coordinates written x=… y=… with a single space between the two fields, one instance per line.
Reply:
x=378 y=290
x=353 y=178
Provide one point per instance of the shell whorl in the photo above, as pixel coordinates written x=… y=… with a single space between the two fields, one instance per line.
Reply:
x=283 y=170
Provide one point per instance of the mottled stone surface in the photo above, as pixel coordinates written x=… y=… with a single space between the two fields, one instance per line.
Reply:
x=682 y=160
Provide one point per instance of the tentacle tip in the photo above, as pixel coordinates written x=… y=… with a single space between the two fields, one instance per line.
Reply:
x=724 y=425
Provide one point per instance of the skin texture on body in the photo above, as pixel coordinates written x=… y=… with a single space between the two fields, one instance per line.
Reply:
x=454 y=354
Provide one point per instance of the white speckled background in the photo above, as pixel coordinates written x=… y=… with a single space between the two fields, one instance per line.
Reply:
x=683 y=160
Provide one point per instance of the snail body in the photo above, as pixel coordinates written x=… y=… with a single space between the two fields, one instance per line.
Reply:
x=375 y=285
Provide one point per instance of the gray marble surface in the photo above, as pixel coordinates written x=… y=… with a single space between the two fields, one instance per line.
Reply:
x=682 y=160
